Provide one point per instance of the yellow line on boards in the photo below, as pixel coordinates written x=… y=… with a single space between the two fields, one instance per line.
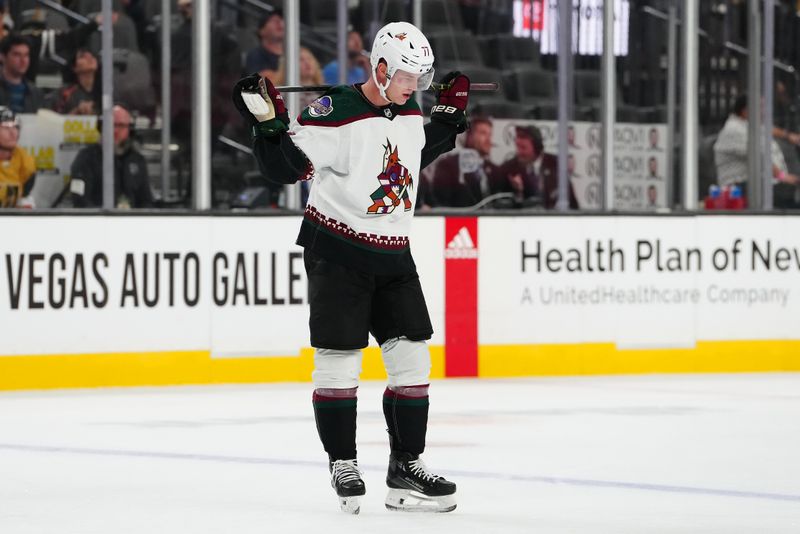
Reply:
x=494 y=361
x=605 y=358
x=172 y=368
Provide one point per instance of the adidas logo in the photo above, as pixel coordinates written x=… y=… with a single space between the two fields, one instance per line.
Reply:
x=461 y=247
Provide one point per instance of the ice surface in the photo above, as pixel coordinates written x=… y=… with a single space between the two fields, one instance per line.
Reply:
x=631 y=454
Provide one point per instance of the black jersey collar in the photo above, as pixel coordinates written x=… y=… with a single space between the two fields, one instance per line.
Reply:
x=390 y=111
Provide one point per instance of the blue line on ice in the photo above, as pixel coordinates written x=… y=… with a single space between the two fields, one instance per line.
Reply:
x=455 y=473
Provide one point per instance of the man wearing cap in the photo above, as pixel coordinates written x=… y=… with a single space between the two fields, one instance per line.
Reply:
x=531 y=174
x=265 y=58
x=17 y=167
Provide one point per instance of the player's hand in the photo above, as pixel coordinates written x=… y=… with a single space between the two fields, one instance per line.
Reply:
x=261 y=104
x=452 y=100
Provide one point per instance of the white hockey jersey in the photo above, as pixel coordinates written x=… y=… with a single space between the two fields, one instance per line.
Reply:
x=366 y=163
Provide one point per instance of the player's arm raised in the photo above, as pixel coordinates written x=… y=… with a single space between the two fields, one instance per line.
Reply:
x=262 y=105
x=448 y=117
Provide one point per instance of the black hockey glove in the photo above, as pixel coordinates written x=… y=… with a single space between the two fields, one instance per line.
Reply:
x=452 y=100
x=261 y=105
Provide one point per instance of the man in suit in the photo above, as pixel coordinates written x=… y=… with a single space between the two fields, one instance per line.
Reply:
x=531 y=174
x=464 y=179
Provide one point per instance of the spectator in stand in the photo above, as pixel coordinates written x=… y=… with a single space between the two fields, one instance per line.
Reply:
x=83 y=96
x=310 y=71
x=730 y=155
x=786 y=120
x=135 y=9
x=181 y=80
x=17 y=167
x=125 y=36
x=786 y=112
x=310 y=74
x=16 y=92
x=6 y=22
x=45 y=41
x=357 y=62
x=182 y=39
x=265 y=58
x=224 y=72
x=131 y=181
x=531 y=174
x=464 y=178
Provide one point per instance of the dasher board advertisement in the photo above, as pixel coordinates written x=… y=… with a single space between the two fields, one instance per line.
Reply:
x=639 y=282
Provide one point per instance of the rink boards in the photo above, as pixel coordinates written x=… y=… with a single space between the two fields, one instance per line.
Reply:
x=139 y=300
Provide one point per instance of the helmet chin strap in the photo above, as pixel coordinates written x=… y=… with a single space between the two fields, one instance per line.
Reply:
x=382 y=88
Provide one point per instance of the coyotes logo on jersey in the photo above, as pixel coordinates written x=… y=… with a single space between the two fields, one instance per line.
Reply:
x=395 y=182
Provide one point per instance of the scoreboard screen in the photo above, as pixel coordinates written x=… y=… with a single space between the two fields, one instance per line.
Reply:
x=538 y=19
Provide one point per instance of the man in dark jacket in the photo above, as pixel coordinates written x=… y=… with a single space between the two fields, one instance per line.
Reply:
x=532 y=175
x=463 y=179
x=16 y=91
x=131 y=181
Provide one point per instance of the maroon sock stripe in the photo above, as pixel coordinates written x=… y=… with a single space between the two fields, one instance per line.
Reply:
x=389 y=393
x=390 y=397
x=322 y=401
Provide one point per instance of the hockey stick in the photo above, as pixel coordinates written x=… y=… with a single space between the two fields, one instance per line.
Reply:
x=488 y=86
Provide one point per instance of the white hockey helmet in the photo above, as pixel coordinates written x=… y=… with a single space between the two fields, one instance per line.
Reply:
x=403 y=47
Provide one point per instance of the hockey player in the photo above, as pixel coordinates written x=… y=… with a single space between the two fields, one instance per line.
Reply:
x=364 y=145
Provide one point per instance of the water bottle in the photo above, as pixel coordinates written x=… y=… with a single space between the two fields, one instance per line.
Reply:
x=735 y=198
x=714 y=194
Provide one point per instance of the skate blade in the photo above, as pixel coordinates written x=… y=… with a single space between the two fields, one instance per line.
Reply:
x=350 y=505
x=402 y=500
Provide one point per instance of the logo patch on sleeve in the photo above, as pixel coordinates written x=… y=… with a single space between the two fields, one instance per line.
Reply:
x=321 y=107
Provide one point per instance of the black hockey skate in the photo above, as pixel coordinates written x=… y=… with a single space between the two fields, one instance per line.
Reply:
x=346 y=480
x=412 y=488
